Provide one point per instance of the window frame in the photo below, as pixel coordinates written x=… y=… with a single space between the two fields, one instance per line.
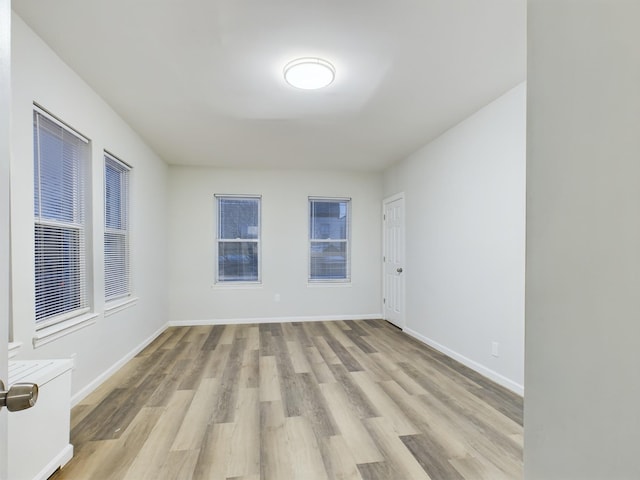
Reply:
x=347 y=241
x=79 y=224
x=124 y=170
x=218 y=240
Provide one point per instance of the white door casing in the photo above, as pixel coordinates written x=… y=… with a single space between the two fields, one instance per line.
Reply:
x=5 y=115
x=393 y=260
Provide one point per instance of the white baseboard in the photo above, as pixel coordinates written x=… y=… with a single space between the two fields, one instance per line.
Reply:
x=80 y=395
x=60 y=460
x=242 y=321
x=481 y=369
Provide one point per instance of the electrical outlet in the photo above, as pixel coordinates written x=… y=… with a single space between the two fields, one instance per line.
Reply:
x=494 y=349
x=276 y=297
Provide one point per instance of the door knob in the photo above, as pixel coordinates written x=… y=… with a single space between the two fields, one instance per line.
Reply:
x=20 y=396
x=399 y=269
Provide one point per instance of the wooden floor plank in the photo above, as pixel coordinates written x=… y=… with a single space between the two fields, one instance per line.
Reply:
x=214 y=337
x=350 y=426
x=230 y=334
x=211 y=462
x=290 y=387
x=431 y=456
x=328 y=355
x=320 y=369
x=253 y=337
x=357 y=398
x=343 y=354
x=374 y=363
x=360 y=341
x=113 y=414
x=429 y=420
x=337 y=333
x=314 y=407
x=179 y=464
x=339 y=463
x=302 y=335
x=224 y=406
x=298 y=357
x=117 y=459
x=151 y=456
x=345 y=400
x=250 y=369
x=274 y=451
x=304 y=452
x=196 y=418
x=243 y=458
x=376 y=471
x=269 y=380
x=218 y=357
x=471 y=467
x=192 y=374
x=383 y=403
x=395 y=453
x=170 y=383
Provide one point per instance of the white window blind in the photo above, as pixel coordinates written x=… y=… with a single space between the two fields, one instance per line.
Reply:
x=61 y=156
x=329 y=235
x=238 y=239
x=117 y=283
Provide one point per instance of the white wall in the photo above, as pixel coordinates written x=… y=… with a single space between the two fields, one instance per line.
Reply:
x=583 y=241
x=38 y=75
x=465 y=212
x=285 y=226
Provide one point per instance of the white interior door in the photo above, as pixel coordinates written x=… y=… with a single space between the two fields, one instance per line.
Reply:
x=393 y=260
x=5 y=100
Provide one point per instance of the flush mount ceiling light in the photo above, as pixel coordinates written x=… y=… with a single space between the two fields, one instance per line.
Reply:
x=309 y=73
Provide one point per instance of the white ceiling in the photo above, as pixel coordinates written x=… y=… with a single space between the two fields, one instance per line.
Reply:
x=201 y=80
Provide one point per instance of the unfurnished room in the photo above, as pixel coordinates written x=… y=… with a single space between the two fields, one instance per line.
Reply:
x=319 y=240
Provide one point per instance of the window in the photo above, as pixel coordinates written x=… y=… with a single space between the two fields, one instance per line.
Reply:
x=329 y=232
x=61 y=157
x=238 y=239
x=117 y=282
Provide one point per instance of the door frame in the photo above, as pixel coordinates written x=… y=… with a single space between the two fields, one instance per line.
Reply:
x=5 y=153
x=393 y=198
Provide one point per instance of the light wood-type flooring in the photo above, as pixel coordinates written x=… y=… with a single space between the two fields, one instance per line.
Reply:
x=356 y=400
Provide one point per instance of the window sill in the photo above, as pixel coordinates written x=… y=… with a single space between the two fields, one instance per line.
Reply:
x=116 y=306
x=329 y=283
x=237 y=286
x=14 y=348
x=61 y=329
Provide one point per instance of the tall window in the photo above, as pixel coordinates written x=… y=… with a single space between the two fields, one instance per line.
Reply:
x=61 y=157
x=238 y=239
x=329 y=232
x=117 y=282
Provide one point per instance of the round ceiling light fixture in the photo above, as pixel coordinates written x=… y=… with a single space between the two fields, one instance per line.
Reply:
x=309 y=73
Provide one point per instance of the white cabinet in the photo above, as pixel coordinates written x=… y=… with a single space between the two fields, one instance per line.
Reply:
x=39 y=436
